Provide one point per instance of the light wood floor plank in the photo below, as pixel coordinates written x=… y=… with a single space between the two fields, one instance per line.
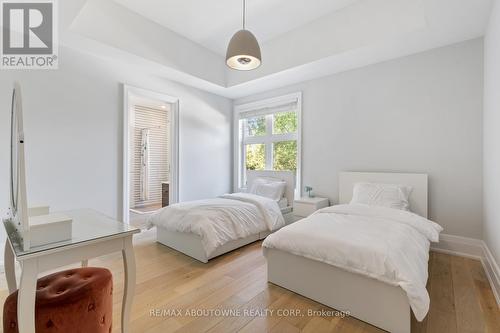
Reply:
x=468 y=309
x=489 y=307
x=267 y=323
x=283 y=326
x=303 y=305
x=318 y=325
x=442 y=313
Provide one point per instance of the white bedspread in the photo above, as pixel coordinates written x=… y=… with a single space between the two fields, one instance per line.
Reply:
x=221 y=220
x=383 y=243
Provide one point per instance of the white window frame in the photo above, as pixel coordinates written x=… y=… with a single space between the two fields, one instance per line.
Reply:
x=268 y=139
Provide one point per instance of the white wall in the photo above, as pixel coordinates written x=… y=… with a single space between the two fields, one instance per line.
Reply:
x=73 y=124
x=421 y=113
x=492 y=134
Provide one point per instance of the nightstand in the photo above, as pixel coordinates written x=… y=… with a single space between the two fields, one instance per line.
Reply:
x=305 y=206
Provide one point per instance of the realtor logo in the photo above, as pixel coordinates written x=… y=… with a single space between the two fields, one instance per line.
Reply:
x=29 y=34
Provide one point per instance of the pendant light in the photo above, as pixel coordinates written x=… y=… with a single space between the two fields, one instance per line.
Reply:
x=243 y=51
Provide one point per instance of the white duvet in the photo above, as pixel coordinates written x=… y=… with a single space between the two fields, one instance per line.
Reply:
x=221 y=220
x=382 y=243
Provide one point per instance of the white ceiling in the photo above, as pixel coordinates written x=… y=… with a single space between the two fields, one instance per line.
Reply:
x=185 y=40
x=211 y=23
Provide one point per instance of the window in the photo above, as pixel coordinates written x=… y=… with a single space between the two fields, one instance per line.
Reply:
x=267 y=135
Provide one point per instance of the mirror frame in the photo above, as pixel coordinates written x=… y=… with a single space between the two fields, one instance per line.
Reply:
x=18 y=200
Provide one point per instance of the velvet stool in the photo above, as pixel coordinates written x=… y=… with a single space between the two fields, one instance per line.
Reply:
x=73 y=301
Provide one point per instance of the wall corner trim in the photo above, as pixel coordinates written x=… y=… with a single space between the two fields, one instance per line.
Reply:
x=475 y=249
x=492 y=271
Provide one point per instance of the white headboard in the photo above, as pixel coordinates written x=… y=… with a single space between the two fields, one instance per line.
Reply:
x=286 y=176
x=418 y=181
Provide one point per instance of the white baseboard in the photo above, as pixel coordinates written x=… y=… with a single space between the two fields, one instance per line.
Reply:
x=475 y=249
x=492 y=271
x=460 y=246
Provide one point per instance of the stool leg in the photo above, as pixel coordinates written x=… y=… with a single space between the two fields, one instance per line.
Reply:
x=26 y=297
x=10 y=267
x=129 y=285
x=85 y=263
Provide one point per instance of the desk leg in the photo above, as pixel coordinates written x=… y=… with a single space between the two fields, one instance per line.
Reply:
x=26 y=297
x=129 y=286
x=10 y=267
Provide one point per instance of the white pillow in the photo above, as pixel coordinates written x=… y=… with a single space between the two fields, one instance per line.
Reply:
x=385 y=195
x=263 y=180
x=267 y=187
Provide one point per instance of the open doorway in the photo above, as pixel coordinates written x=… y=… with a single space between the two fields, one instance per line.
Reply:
x=150 y=154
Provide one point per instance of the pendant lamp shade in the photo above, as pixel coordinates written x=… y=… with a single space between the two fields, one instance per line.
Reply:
x=243 y=51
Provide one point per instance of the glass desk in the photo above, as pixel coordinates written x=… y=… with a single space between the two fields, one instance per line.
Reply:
x=93 y=235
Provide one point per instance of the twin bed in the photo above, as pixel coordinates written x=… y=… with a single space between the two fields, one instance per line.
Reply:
x=367 y=260
x=205 y=229
x=367 y=256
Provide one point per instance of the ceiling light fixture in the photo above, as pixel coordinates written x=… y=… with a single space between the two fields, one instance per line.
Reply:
x=243 y=51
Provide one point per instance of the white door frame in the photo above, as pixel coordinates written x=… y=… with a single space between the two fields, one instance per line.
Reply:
x=128 y=91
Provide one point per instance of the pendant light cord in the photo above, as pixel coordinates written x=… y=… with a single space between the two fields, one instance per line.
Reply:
x=244 y=13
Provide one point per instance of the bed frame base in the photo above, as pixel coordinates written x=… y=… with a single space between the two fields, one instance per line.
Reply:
x=367 y=299
x=190 y=244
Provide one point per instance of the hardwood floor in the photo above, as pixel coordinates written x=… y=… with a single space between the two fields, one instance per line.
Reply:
x=461 y=298
x=147 y=209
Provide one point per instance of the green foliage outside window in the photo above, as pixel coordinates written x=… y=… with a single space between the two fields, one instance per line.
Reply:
x=285 y=155
x=256 y=126
x=285 y=152
x=255 y=157
x=285 y=122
